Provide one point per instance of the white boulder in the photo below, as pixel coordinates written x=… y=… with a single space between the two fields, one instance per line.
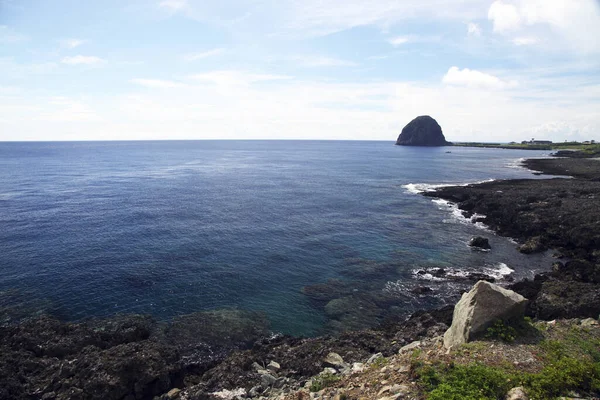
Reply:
x=479 y=308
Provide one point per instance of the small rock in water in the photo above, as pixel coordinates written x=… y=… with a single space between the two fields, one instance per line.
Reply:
x=480 y=242
x=173 y=393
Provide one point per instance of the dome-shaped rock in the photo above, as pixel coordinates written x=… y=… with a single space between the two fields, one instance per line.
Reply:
x=422 y=131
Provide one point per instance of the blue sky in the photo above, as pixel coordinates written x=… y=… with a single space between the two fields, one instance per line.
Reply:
x=487 y=70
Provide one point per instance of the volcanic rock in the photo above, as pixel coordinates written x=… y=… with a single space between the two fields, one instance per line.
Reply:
x=480 y=242
x=422 y=131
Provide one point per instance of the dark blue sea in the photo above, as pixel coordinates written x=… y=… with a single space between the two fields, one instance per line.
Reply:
x=91 y=229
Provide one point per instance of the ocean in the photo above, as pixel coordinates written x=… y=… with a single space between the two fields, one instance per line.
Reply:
x=92 y=229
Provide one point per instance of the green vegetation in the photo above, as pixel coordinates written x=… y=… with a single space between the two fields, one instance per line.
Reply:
x=379 y=362
x=501 y=331
x=569 y=364
x=322 y=381
x=508 y=331
x=588 y=149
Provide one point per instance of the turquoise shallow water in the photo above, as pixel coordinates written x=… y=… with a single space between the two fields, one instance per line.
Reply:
x=169 y=228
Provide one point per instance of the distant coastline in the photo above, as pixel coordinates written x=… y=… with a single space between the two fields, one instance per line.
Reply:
x=582 y=149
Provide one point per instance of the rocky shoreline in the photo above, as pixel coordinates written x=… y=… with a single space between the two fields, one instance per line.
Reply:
x=562 y=214
x=227 y=354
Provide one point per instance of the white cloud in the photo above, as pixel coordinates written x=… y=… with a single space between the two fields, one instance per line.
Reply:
x=203 y=54
x=72 y=43
x=270 y=107
x=83 y=60
x=157 y=83
x=473 y=29
x=504 y=16
x=568 y=25
x=473 y=78
x=525 y=41
x=321 y=61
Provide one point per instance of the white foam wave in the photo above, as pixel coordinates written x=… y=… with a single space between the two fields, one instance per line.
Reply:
x=517 y=164
x=498 y=271
x=416 y=188
x=457 y=215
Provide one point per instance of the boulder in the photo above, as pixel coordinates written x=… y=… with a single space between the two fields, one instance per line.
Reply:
x=422 y=131
x=517 y=393
x=480 y=242
x=334 y=360
x=479 y=308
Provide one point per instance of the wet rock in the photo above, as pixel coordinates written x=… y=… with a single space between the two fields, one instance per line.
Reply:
x=421 y=290
x=533 y=245
x=325 y=292
x=479 y=308
x=223 y=327
x=480 y=242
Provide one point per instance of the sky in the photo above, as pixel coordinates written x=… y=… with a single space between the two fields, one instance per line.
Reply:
x=486 y=70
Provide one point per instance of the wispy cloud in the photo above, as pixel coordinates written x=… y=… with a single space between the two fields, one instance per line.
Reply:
x=83 y=60
x=316 y=61
x=157 y=83
x=173 y=5
x=525 y=41
x=9 y=36
x=473 y=78
x=203 y=54
x=72 y=43
x=473 y=29
x=233 y=78
x=400 y=40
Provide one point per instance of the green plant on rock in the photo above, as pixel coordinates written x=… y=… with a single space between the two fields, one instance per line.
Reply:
x=322 y=381
x=501 y=331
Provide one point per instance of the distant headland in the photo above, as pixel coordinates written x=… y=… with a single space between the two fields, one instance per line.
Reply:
x=422 y=131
